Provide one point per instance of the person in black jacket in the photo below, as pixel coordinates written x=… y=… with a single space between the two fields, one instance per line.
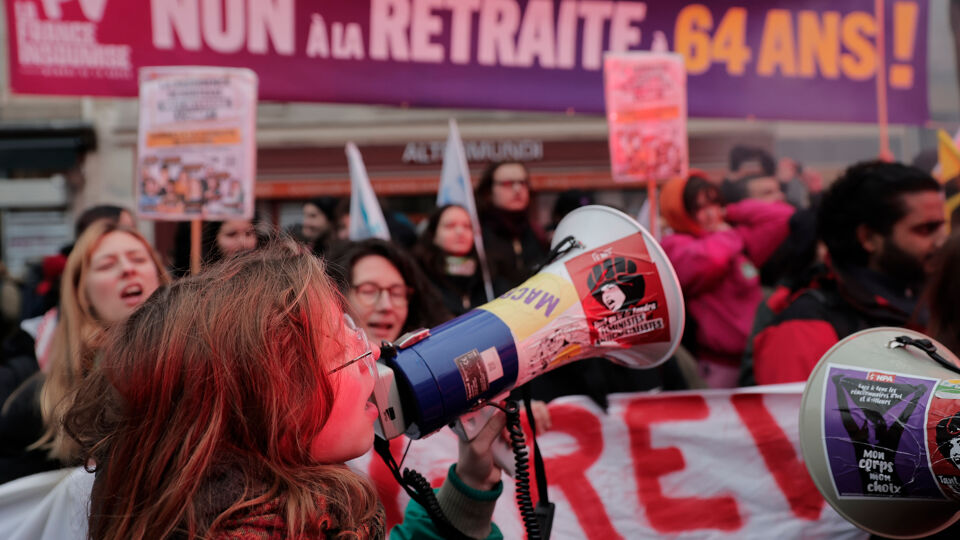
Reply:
x=448 y=256
x=512 y=240
x=883 y=224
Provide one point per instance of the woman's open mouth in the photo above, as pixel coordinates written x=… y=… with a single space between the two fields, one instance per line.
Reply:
x=132 y=294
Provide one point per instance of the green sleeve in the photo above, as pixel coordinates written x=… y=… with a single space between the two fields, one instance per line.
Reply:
x=456 y=496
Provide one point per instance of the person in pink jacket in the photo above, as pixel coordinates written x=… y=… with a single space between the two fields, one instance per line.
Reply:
x=716 y=252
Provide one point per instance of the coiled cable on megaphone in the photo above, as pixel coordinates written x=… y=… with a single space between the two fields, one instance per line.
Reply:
x=420 y=490
x=606 y=290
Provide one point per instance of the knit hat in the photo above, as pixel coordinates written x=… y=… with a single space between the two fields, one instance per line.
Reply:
x=673 y=209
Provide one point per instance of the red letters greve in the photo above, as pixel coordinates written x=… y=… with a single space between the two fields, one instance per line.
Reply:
x=710 y=464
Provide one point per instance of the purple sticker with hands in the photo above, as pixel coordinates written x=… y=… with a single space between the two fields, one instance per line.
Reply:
x=874 y=434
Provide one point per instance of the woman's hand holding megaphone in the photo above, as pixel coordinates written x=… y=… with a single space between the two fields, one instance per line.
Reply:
x=476 y=465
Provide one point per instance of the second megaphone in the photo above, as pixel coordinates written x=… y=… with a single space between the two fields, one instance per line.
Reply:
x=610 y=292
x=880 y=432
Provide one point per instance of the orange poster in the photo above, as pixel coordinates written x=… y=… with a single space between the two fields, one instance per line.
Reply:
x=197 y=143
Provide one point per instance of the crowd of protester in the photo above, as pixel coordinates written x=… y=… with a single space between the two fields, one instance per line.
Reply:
x=774 y=268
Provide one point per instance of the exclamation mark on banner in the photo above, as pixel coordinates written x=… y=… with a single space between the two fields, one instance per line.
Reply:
x=904 y=38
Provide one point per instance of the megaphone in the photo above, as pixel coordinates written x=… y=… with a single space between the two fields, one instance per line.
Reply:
x=880 y=432
x=612 y=292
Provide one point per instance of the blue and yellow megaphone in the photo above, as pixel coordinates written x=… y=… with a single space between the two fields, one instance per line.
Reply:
x=611 y=292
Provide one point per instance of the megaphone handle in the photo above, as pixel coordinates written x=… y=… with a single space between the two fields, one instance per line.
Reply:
x=467 y=426
x=504 y=458
x=512 y=458
x=928 y=347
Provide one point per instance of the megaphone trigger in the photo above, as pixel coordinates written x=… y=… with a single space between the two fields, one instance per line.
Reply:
x=386 y=396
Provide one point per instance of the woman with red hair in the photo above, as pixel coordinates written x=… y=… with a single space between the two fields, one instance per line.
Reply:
x=209 y=419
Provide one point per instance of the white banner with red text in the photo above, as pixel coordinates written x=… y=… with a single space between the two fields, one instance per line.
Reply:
x=706 y=464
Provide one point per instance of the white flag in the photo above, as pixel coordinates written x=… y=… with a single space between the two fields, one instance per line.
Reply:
x=456 y=188
x=366 y=218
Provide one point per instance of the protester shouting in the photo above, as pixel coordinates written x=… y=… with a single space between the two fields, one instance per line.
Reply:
x=385 y=290
x=217 y=421
x=111 y=271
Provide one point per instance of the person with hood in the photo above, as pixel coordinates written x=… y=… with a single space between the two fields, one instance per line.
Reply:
x=716 y=251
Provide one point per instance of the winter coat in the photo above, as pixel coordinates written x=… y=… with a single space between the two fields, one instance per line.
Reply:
x=834 y=306
x=719 y=277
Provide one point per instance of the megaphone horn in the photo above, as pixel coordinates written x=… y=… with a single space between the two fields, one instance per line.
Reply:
x=611 y=292
x=880 y=432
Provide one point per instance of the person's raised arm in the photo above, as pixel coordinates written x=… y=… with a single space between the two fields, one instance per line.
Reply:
x=701 y=262
x=468 y=495
x=843 y=404
x=762 y=225
x=918 y=392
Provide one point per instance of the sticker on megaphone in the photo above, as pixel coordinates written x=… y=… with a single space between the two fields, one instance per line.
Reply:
x=874 y=432
x=621 y=294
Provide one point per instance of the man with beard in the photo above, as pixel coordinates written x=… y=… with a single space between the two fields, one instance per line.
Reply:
x=882 y=224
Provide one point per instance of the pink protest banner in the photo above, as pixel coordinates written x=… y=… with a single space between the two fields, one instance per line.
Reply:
x=646 y=98
x=790 y=59
x=688 y=465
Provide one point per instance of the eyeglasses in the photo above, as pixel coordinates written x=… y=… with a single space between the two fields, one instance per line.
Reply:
x=514 y=184
x=357 y=336
x=369 y=293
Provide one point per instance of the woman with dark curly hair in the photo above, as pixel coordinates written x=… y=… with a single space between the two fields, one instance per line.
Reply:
x=386 y=291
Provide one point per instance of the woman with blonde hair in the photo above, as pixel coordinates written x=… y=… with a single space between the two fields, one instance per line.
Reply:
x=109 y=273
x=206 y=419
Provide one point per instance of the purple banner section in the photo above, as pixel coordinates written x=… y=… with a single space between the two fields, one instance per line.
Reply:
x=800 y=60
x=874 y=431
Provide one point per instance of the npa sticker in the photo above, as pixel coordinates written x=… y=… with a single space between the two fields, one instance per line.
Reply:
x=874 y=426
x=621 y=293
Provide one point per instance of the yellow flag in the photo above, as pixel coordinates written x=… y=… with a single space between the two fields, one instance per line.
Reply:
x=949 y=156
